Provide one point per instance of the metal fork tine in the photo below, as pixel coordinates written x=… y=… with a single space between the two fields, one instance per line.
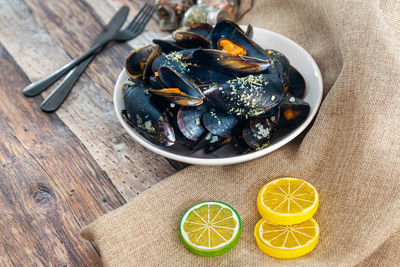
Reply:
x=139 y=18
x=144 y=17
x=140 y=13
x=143 y=25
x=144 y=20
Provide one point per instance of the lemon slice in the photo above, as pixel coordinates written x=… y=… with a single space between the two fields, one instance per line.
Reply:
x=210 y=228
x=286 y=241
x=287 y=201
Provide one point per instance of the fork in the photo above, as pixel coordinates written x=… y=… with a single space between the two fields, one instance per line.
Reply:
x=54 y=100
x=131 y=31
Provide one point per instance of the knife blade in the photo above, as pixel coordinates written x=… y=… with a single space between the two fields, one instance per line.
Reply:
x=54 y=100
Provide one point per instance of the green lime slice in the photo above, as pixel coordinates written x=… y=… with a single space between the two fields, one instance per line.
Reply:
x=210 y=228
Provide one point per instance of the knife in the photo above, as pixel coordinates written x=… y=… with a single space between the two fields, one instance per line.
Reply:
x=61 y=91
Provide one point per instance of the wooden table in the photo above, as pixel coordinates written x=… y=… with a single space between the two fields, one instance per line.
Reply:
x=59 y=172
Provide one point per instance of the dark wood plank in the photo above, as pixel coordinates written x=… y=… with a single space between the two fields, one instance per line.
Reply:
x=87 y=112
x=50 y=186
x=76 y=33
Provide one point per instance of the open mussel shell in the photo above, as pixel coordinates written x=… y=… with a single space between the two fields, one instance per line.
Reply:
x=230 y=30
x=297 y=85
x=178 y=88
x=230 y=47
x=272 y=116
x=293 y=111
x=177 y=61
x=138 y=63
x=149 y=119
x=249 y=96
x=168 y=46
x=257 y=132
x=193 y=36
x=219 y=123
x=189 y=122
x=227 y=63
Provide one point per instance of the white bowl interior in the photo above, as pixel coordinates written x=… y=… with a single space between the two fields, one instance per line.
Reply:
x=298 y=57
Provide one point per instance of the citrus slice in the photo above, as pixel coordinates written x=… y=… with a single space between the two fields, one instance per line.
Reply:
x=286 y=241
x=210 y=228
x=287 y=201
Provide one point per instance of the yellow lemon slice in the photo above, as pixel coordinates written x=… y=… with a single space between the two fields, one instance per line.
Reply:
x=210 y=228
x=287 y=201
x=286 y=241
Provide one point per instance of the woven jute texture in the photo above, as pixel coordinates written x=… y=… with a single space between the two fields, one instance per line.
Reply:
x=351 y=154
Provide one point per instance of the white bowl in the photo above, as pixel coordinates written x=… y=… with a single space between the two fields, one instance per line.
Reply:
x=298 y=57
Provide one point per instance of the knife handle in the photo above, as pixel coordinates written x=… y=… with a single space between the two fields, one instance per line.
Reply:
x=54 y=100
x=41 y=85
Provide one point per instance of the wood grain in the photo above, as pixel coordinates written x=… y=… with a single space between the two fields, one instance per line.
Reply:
x=50 y=186
x=88 y=112
x=60 y=172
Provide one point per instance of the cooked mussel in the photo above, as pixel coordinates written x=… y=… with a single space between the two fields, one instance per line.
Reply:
x=249 y=31
x=177 y=61
x=230 y=64
x=293 y=111
x=139 y=61
x=189 y=122
x=149 y=119
x=178 y=88
x=168 y=46
x=231 y=31
x=219 y=123
x=203 y=76
x=231 y=47
x=248 y=96
x=193 y=36
x=280 y=64
x=257 y=132
x=297 y=84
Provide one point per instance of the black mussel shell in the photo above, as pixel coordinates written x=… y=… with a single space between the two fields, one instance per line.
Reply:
x=202 y=76
x=220 y=123
x=272 y=115
x=230 y=64
x=177 y=61
x=168 y=46
x=297 y=85
x=155 y=83
x=189 y=122
x=249 y=31
x=178 y=88
x=230 y=30
x=280 y=63
x=210 y=142
x=193 y=36
x=138 y=63
x=151 y=120
x=212 y=147
x=252 y=95
x=257 y=132
x=293 y=111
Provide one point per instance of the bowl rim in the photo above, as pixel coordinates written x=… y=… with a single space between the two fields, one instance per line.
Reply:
x=232 y=159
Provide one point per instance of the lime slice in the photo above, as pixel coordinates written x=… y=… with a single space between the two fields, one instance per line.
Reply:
x=210 y=228
x=287 y=201
x=286 y=241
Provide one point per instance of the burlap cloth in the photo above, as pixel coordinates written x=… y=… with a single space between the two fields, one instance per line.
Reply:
x=351 y=154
